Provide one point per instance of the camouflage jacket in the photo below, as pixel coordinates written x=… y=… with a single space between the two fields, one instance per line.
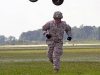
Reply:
x=56 y=31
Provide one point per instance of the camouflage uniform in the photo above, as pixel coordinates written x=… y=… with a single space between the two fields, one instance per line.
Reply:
x=55 y=43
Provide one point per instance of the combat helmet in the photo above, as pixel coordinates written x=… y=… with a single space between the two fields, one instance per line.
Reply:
x=58 y=14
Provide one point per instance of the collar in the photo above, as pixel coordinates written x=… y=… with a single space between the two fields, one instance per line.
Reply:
x=55 y=24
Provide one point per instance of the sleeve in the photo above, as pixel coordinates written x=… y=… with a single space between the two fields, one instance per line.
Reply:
x=45 y=28
x=68 y=30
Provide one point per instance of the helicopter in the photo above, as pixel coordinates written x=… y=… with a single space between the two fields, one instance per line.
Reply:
x=55 y=2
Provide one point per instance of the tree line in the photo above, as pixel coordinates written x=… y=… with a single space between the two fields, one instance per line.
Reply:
x=4 y=39
x=83 y=33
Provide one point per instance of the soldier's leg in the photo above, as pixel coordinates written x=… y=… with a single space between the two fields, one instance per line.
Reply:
x=56 y=55
x=50 y=53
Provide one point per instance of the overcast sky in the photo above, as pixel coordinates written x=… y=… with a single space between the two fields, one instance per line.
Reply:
x=17 y=16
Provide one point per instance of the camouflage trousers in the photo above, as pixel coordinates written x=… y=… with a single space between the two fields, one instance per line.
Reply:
x=54 y=51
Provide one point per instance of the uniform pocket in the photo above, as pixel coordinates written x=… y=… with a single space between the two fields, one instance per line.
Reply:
x=50 y=42
x=57 y=53
x=59 y=45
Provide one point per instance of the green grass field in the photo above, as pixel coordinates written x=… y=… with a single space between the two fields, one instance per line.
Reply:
x=76 y=60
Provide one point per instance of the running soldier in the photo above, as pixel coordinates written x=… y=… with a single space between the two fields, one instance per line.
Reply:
x=54 y=31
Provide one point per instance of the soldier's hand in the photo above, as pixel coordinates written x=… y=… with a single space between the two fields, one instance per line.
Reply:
x=48 y=36
x=69 y=38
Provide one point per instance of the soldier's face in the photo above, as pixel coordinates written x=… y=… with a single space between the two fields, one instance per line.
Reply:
x=57 y=20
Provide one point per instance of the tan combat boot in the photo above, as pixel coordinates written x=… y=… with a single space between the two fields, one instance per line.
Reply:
x=56 y=70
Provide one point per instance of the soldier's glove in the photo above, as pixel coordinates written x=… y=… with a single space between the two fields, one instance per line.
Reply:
x=69 y=38
x=48 y=36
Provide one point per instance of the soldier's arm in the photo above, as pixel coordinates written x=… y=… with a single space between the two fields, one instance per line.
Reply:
x=45 y=28
x=68 y=30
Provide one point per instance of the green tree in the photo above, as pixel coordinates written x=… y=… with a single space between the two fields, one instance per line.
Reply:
x=2 y=38
x=10 y=38
x=88 y=30
x=99 y=33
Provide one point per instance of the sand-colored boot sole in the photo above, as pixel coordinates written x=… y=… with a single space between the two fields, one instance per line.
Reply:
x=56 y=70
